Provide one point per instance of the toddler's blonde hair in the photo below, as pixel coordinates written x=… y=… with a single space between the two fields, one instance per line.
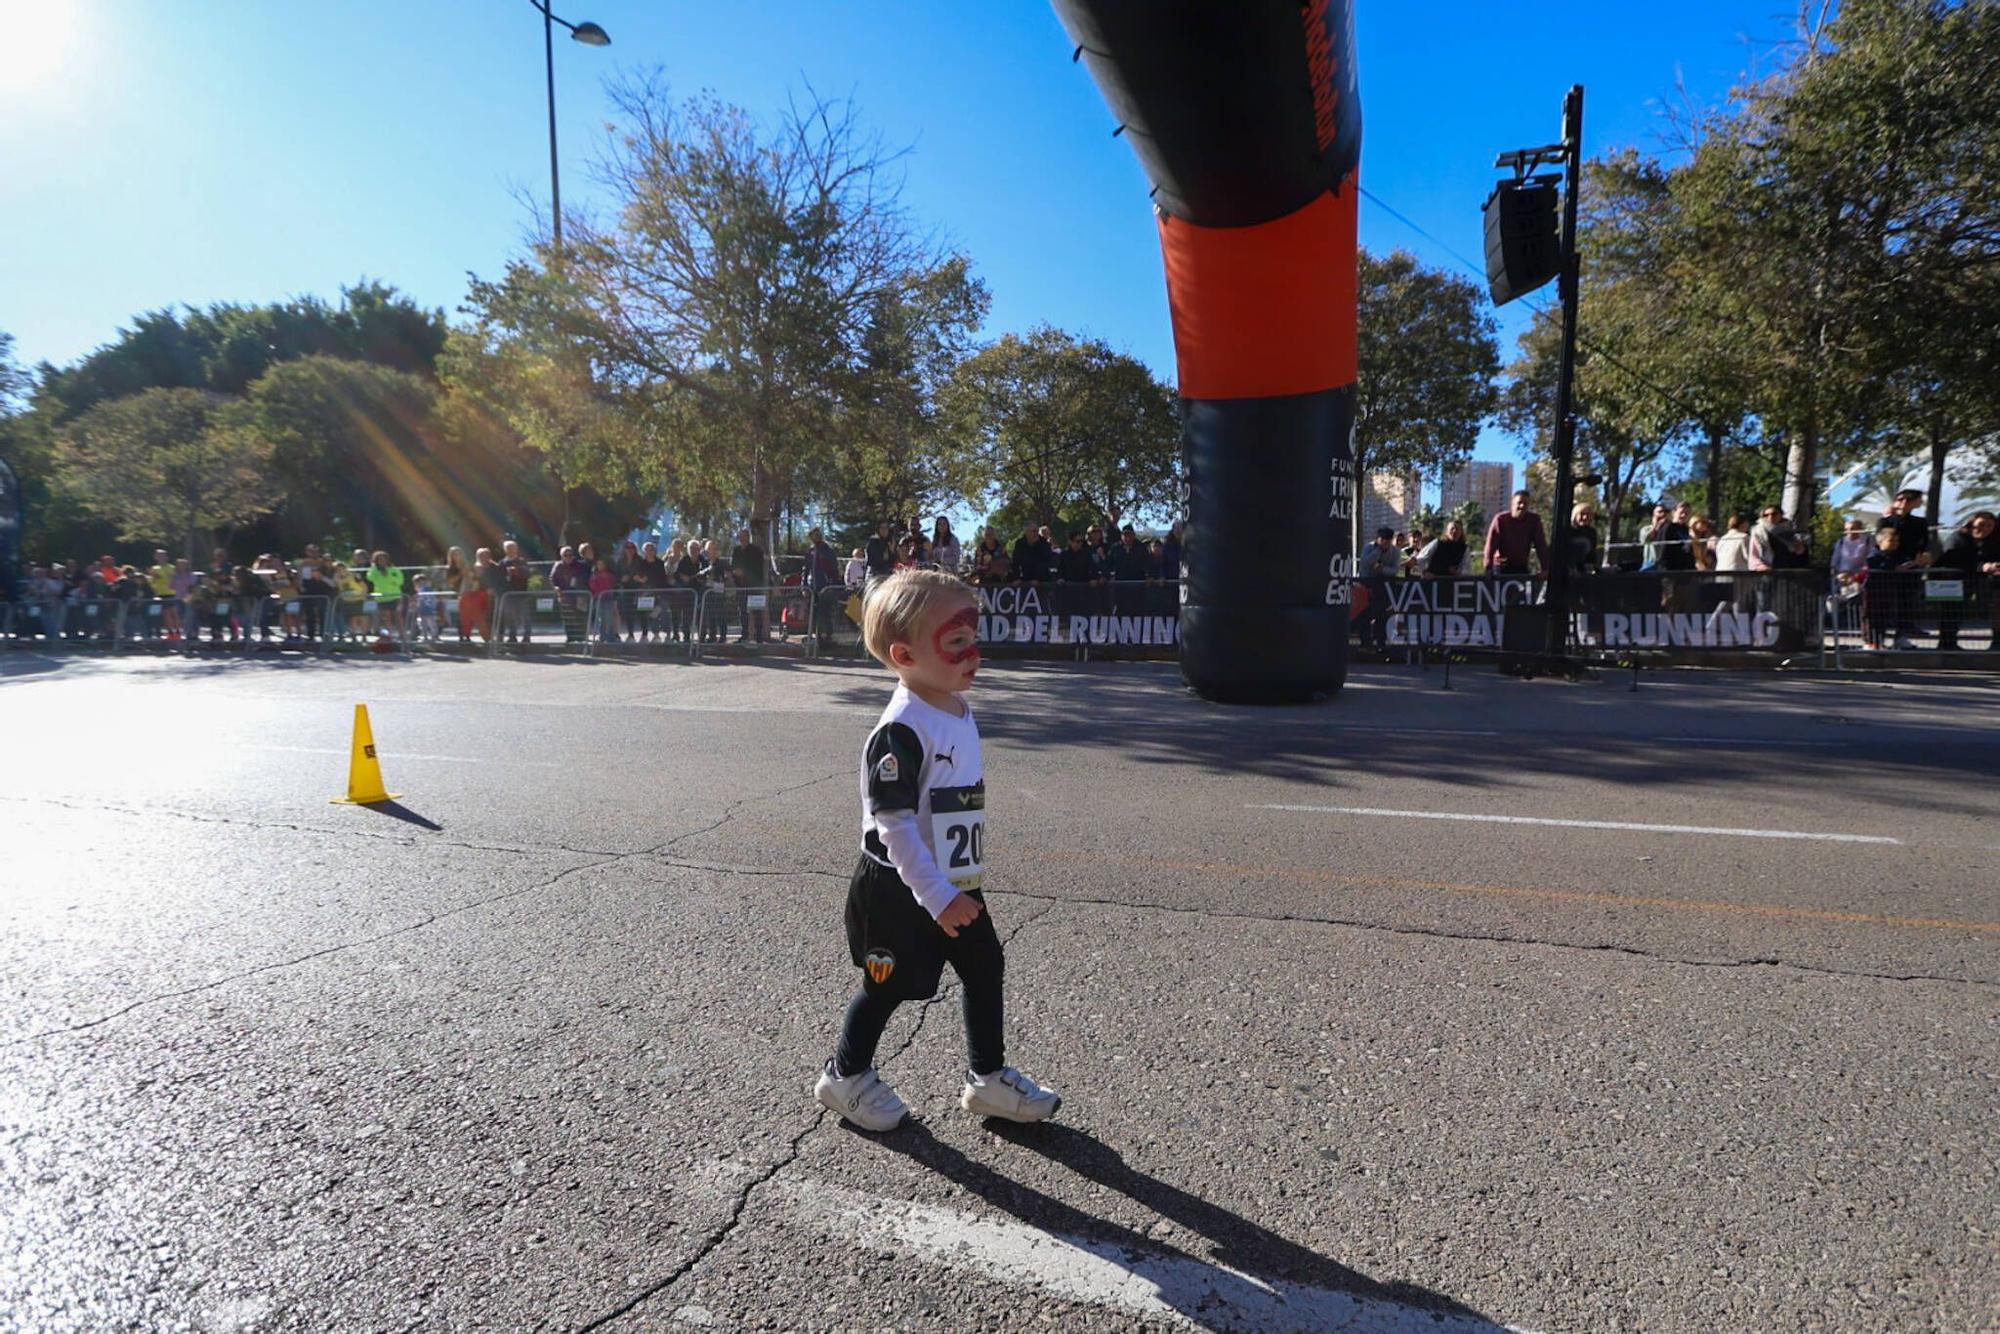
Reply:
x=898 y=605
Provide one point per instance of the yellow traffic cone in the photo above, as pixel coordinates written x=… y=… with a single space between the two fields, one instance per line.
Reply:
x=364 y=771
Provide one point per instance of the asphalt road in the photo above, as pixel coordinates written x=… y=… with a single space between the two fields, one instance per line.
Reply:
x=1688 y=1017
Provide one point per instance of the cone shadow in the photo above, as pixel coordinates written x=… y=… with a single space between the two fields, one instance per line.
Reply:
x=400 y=812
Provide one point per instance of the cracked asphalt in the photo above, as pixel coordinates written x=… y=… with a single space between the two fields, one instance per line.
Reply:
x=532 y=1050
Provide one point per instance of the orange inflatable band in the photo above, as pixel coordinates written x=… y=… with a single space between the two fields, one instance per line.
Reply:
x=1265 y=310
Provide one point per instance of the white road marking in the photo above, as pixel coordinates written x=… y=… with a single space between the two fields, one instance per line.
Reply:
x=392 y=755
x=1157 y=1285
x=1579 y=824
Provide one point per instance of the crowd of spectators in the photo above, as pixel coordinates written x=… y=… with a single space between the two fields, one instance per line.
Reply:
x=695 y=588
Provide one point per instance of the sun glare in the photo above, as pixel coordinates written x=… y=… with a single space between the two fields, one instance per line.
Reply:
x=37 y=41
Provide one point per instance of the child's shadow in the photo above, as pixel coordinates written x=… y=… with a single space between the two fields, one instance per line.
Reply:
x=1249 y=1278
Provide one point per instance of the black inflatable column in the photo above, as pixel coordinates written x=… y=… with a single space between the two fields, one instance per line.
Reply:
x=1245 y=116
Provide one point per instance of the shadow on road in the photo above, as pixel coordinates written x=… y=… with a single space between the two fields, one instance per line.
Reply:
x=1252 y=1277
x=398 y=810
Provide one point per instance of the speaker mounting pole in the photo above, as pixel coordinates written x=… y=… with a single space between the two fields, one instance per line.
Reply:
x=1565 y=438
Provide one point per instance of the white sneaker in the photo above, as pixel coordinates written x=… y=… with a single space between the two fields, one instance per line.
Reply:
x=862 y=1099
x=1010 y=1095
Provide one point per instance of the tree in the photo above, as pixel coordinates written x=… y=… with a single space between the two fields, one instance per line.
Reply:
x=226 y=347
x=1828 y=207
x=1619 y=431
x=1427 y=358
x=725 y=314
x=161 y=466
x=1067 y=422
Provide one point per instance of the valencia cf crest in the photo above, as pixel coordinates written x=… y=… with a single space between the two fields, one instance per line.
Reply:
x=879 y=963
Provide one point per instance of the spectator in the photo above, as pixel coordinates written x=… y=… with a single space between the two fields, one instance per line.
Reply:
x=716 y=577
x=385 y=584
x=684 y=593
x=1774 y=543
x=1881 y=593
x=1093 y=538
x=753 y=575
x=252 y=595
x=1410 y=545
x=1666 y=542
x=944 y=547
x=1033 y=558
x=998 y=573
x=1080 y=579
x=1913 y=530
x=185 y=582
x=350 y=591
x=857 y=570
x=515 y=612
x=161 y=576
x=1583 y=541
x=1444 y=556
x=604 y=591
x=1701 y=542
x=284 y=584
x=1170 y=554
x=1372 y=567
x=1512 y=536
x=459 y=581
x=571 y=579
x=481 y=601
x=1077 y=564
x=881 y=555
x=423 y=608
x=1973 y=551
x=651 y=577
x=1850 y=553
x=824 y=587
x=1130 y=569
x=317 y=589
x=988 y=547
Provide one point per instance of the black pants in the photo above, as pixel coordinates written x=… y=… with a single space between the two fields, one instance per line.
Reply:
x=902 y=952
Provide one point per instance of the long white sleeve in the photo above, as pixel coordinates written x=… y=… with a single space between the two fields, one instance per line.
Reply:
x=913 y=861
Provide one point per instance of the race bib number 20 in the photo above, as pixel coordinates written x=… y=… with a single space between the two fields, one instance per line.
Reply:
x=958 y=831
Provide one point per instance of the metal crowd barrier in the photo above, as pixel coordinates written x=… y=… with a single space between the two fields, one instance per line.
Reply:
x=559 y=617
x=1928 y=610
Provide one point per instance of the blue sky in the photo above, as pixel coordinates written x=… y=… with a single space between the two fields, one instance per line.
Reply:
x=159 y=152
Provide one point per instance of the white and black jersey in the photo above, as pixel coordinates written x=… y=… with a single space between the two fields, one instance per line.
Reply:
x=923 y=799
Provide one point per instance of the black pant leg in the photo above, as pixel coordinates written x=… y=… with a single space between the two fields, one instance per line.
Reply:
x=867 y=1015
x=975 y=955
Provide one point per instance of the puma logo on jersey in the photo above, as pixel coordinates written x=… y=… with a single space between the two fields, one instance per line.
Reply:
x=946 y=758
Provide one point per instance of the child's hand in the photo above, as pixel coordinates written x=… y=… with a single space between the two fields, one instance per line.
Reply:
x=961 y=911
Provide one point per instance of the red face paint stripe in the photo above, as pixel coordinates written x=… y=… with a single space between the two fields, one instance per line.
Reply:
x=1269 y=310
x=967 y=619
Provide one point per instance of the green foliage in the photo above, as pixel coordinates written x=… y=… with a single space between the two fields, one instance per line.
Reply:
x=1427 y=362
x=162 y=467
x=226 y=347
x=1068 y=424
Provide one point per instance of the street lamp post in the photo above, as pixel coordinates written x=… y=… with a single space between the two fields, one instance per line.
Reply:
x=590 y=35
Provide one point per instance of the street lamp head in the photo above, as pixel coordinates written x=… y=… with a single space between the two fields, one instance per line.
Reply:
x=590 y=35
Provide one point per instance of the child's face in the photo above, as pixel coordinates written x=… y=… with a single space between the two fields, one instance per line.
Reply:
x=1887 y=539
x=943 y=655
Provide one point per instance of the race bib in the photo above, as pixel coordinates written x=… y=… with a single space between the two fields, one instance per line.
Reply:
x=958 y=831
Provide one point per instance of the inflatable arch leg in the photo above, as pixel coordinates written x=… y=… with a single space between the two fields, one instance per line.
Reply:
x=1246 y=118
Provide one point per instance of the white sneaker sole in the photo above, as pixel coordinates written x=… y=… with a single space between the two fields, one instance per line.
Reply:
x=843 y=1114
x=966 y=1100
